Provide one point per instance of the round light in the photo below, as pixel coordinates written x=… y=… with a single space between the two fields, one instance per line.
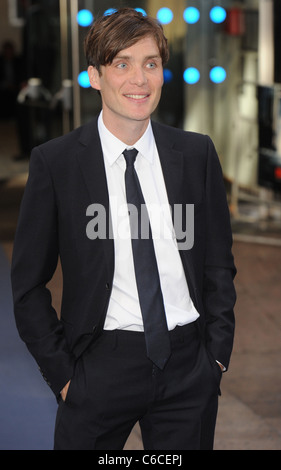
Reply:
x=218 y=14
x=84 y=18
x=140 y=10
x=109 y=12
x=191 y=75
x=83 y=79
x=168 y=75
x=165 y=15
x=218 y=74
x=191 y=15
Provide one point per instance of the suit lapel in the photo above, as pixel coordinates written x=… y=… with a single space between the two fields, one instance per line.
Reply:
x=91 y=162
x=173 y=172
x=171 y=162
x=90 y=159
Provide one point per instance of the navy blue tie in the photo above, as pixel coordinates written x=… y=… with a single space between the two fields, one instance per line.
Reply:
x=146 y=270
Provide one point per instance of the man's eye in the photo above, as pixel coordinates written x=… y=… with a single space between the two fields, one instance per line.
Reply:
x=121 y=66
x=151 y=65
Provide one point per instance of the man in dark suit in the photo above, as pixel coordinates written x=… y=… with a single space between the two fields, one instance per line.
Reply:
x=113 y=358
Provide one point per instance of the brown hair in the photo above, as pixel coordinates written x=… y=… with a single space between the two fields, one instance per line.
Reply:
x=113 y=33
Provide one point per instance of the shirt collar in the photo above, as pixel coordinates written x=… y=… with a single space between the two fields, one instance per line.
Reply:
x=113 y=147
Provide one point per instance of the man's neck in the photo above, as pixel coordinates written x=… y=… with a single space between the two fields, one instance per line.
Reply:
x=128 y=131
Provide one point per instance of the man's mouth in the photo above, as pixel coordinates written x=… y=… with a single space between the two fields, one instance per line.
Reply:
x=137 y=97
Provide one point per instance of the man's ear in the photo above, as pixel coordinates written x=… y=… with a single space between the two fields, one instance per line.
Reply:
x=94 y=77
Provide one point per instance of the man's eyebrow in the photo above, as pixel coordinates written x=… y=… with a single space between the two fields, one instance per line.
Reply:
x=154 y=56
x=120 y=56
x=128 y=57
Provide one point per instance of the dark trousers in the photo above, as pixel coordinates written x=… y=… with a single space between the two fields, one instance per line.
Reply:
x=115 y=385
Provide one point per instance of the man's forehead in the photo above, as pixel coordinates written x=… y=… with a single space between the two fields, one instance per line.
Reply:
x=146 y=46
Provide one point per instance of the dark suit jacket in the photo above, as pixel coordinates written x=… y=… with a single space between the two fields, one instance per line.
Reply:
x=66 y=176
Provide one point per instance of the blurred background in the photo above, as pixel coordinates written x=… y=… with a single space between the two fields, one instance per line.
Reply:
x=223 y=79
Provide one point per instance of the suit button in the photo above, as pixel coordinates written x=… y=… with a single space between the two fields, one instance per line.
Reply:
x=107 y=286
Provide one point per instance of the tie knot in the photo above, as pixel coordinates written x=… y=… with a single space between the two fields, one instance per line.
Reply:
x=130 y=156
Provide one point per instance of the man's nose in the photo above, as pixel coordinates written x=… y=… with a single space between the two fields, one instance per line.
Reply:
x=138 y=76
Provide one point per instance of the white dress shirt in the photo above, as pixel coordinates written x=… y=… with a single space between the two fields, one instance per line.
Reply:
x=124 y=309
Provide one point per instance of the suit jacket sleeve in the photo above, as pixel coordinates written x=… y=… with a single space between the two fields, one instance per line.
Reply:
x=34 y=261
x=219 y=271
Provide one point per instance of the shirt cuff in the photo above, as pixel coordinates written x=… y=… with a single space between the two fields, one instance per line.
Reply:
x=223 y=368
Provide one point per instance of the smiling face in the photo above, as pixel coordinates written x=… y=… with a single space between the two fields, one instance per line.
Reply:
x=130 y=86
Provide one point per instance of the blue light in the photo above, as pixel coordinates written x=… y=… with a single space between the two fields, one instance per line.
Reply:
x=109 y=12
x=218 y=74
x=84 y=18
x=140 y=10
x=217 y=14
x=83 y=79
x=168 y=75
x=191 y=75
x=165 y=15
x=191 y=15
